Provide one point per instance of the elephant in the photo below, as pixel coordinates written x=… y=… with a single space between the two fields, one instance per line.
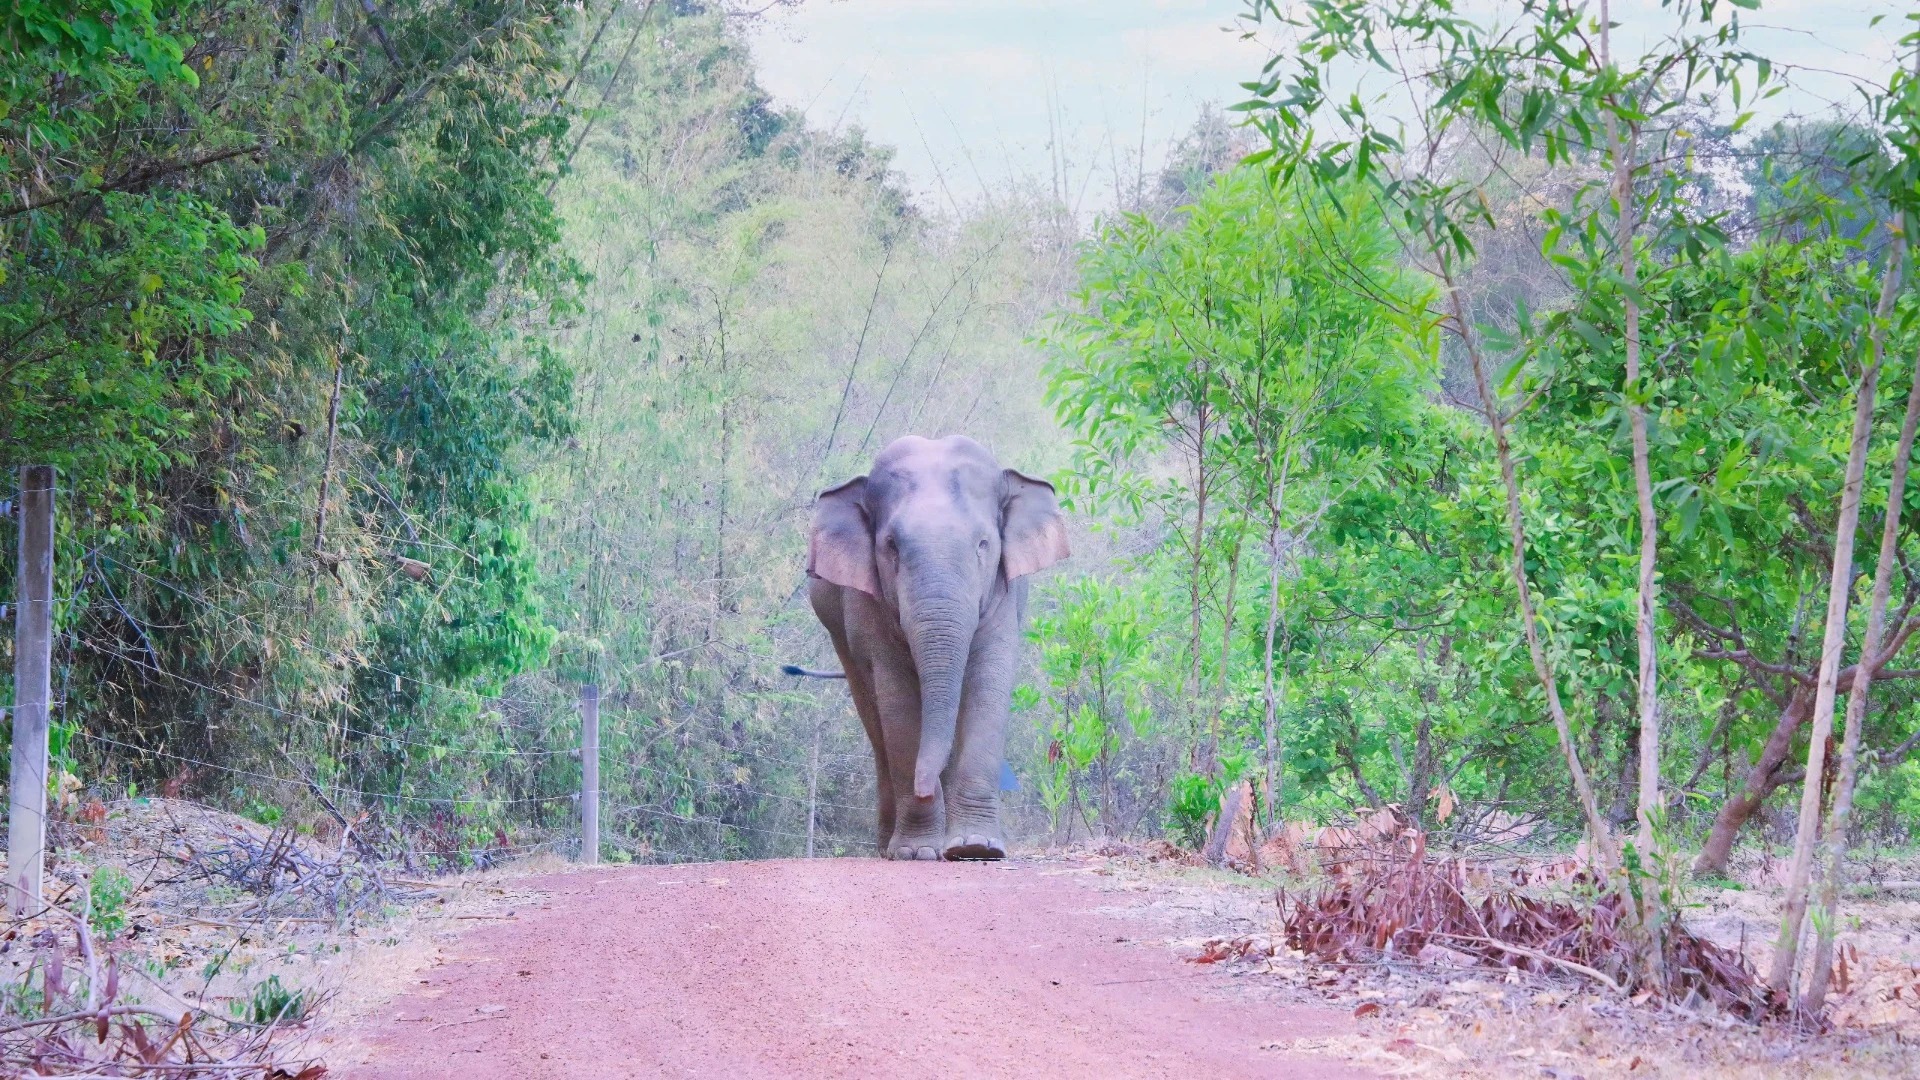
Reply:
x=918 y=570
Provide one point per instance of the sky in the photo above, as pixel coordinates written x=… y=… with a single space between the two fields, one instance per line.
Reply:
x=974 y=94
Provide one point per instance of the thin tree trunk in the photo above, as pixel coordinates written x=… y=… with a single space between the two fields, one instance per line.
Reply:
x=1715 y=740
x=1420 y=774
x=1623 y=151
x=1106 y=759
x=1278 y=764
x=1517 y=538
x=1276 y=503
x=1651 y=918
x=1226 y=655
x=1644 y=624
x=1106 y=789
x=1199 y=541
x=1839 y=817
x=1834 y=639
x=326 y=468
x=1073 y=794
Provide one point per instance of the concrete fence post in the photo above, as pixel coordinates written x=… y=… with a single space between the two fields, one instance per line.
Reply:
x=590 y=773
x=32 y=687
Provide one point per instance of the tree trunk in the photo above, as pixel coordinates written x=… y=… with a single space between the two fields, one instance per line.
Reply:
x=1833 y=865
x=1199 y=541
x=1517 y=539
x=1644 y=624
x=1276 y=504
x=326 y=467
x=1621 y=810
x=1226 y=657
x=1420 y=774
x=1107 y=730
x=1762 y=780
x=1622 y=152
x=1648 y=903
x=1839 y=589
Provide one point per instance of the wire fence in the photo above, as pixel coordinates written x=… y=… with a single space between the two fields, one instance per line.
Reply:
x=138 y=651
x=491 y=852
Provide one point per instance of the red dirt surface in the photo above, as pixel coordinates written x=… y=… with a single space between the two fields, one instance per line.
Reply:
x=828 y=968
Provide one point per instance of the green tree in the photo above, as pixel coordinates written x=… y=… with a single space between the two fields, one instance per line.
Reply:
x=1226 y=344
x=274 y=284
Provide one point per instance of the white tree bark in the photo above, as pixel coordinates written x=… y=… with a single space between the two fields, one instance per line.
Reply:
x=1839 y=586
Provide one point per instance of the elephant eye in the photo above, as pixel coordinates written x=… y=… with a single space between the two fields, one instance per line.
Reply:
x=984 y=545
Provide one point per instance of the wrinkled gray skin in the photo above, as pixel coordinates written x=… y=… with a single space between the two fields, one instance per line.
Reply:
x=918 y=572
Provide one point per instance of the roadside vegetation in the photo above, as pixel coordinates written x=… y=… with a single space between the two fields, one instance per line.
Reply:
x=1514 y=463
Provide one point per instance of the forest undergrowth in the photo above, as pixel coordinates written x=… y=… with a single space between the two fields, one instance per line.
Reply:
x=189 y=941
x=1451 y=1014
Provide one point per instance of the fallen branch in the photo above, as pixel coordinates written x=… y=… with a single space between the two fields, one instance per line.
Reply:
x=85 y=1014
x=1558 y=961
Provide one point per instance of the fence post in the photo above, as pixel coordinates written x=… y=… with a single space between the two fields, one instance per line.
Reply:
x=32 y=686
x=590 y=773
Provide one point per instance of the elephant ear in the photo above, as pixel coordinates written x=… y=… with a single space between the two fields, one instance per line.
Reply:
x=840 y=545
x=1033 y=535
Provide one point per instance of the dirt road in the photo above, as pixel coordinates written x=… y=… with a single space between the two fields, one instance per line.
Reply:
x=830 y=968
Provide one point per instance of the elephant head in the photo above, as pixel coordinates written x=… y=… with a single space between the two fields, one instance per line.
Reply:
x=935 y=532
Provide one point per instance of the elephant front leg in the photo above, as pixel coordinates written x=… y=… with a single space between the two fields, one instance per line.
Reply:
x=972 y=781
x=918 y=824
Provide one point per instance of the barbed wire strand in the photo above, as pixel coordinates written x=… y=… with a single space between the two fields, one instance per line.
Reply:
x=188 y=594
x=369 y=795
x=399 y=740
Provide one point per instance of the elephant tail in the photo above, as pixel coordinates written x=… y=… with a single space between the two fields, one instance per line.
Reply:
x=805 y=673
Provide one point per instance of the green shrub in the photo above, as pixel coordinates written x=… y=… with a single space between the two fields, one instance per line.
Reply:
x=1193 y=800
x=273 y=1002
x=107 y=895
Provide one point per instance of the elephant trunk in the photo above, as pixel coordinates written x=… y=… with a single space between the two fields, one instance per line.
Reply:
x=942 y=637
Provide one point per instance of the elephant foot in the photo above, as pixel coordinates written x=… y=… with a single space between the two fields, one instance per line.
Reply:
x=976 y=846
x=913 y=853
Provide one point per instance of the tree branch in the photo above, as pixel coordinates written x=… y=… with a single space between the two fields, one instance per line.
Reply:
x=137 y=177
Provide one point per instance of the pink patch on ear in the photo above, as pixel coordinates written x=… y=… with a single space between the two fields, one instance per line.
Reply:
x=1033 y=534
x=1037 y=551
x=829 y=563
x=839 y=544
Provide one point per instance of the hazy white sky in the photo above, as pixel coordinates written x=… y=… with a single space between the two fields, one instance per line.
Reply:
x=974 y=93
